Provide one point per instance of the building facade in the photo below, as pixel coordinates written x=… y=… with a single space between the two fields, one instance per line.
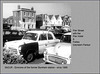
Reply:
x=39 y=21
x=52 y=20
x=8 y=22
x=58 y=20
x=42 y=20
x=66 y=20
x=24 y=19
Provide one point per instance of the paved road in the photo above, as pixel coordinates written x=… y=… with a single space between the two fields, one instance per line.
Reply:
x=38 y=60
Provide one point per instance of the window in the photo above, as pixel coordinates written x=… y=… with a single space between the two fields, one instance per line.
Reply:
x=50 y=37
x=14 y=33
x=32 y=14
x=32 y=25
x=28 y=13
x=20 y=33
x=7 y=32
x=29 y=20
x=66 y=38
x=43 y=37
x=24 y=25
x=30 y=36
x=24 y=13
x=18 y=13
x=23 y=20
x=28 y=26
x=32 y=20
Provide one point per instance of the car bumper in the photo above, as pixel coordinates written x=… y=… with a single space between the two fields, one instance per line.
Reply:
x=54 y=59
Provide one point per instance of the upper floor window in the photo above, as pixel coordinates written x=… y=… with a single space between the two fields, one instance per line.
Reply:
x=23 y=20
x=29 y=20
x=33 y=14
x=18 y=13
x=28 y=13
x=24 y=13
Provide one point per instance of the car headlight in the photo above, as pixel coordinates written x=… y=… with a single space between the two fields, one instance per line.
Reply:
x=5 y=47
x=19 y=50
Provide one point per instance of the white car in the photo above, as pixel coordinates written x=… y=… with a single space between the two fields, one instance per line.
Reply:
x=33 y=43
x=60 y=53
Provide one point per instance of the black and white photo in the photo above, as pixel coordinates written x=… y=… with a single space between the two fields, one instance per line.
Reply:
x=36 y=33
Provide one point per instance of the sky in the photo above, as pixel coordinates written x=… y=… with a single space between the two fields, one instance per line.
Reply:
x=40 y=8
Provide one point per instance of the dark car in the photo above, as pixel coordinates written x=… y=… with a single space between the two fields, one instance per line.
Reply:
x=10 y=35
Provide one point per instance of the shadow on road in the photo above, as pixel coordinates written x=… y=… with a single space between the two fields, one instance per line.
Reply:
x=39 y=56
x=38 y=60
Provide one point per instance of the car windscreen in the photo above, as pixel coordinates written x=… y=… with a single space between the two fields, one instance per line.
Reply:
x=66 y=38
x=30 y=36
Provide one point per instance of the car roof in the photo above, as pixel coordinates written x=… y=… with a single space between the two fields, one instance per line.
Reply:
x=38 y=31
x=68 y=33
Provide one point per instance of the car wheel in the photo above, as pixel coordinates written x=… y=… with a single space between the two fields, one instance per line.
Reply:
x=30 y=57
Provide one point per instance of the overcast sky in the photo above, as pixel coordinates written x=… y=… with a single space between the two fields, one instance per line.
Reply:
x=41 y=8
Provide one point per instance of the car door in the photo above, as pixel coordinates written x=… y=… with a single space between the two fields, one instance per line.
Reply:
x=51 y=40
x=42 y=43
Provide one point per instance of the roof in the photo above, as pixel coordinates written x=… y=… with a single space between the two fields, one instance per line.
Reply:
x=68 y=33
x=25 y=9
x=62 y=17
x=56 y=16
x=50 y=16
x=4 y=20
x=38 y=31
x=11 y=17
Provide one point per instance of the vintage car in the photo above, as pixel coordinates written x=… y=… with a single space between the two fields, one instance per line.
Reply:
x=10 y=35
x=60 y=53
x=32 y=43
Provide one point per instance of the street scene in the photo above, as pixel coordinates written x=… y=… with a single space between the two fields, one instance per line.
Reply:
x=36 y=33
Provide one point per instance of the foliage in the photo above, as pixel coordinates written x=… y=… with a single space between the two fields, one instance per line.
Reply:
x=13 y=59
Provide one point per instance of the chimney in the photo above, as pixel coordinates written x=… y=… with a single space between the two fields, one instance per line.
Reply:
x=18 y=6
x=32 y=8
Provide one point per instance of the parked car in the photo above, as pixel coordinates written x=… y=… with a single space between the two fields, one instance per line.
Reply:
x=60 y=53
x=56 y=31
x=33 y=43
x=10 y=35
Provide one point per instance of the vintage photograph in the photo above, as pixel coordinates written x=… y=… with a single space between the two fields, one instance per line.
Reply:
x=36 y=33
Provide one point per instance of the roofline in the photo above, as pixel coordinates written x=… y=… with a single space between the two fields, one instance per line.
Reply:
x=24 y=10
